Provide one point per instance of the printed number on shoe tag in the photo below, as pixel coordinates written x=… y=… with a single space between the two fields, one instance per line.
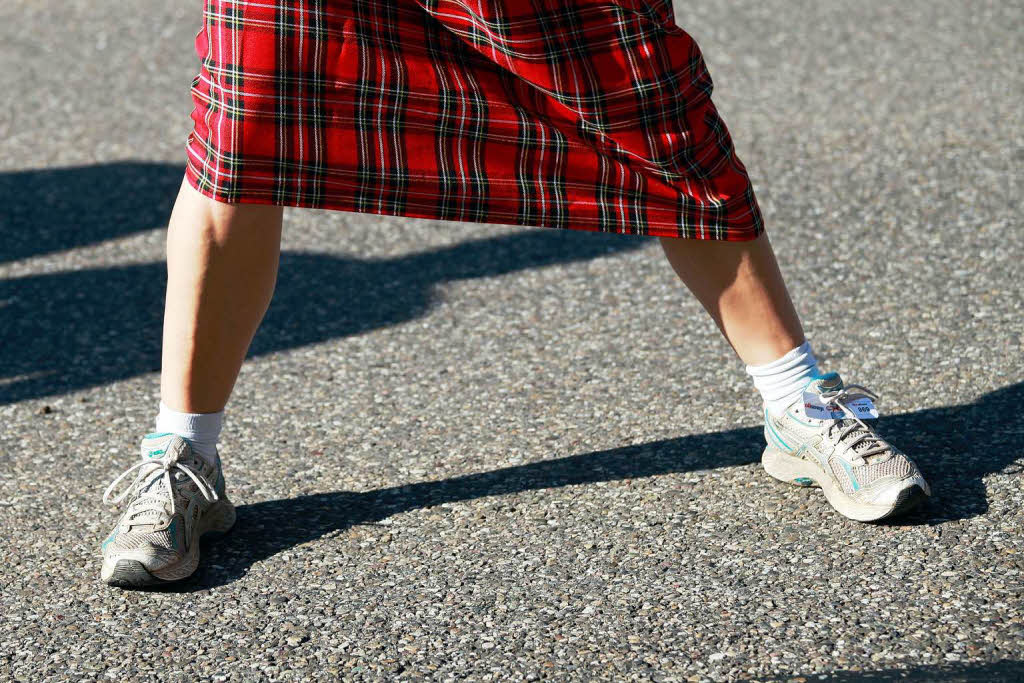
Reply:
x=864 y=408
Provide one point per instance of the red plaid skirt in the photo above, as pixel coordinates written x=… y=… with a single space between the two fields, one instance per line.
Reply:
x=579 y=114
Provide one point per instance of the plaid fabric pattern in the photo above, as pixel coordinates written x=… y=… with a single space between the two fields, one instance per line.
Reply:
x=550 y=113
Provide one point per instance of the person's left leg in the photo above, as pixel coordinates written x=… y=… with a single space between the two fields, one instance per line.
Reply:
x=814 y=424
x=740 y=286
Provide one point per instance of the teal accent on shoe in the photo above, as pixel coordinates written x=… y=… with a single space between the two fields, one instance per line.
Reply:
x=157 y=435
x=849 y=473
x=804 y=481
x=172 y=528
x=775 y=434
x=110 y=539
x=817 y=378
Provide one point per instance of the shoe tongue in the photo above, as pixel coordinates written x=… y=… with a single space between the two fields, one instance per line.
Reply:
x=159 y=447
x=815 y=387
x=163 y=445
x=830 y=381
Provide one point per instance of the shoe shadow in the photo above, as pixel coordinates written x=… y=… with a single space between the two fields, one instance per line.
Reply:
x=65 y=331
x=955 y=446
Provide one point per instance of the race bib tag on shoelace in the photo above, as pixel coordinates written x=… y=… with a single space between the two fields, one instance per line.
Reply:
x=864 y=408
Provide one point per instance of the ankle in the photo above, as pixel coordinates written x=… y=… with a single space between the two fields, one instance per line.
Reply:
x=201 y=430
x=782 y=381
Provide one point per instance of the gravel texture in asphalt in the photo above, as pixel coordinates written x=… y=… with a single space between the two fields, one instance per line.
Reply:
x=498 y=452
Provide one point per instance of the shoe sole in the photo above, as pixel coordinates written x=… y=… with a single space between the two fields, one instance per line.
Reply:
x=129 y=573
x=800 y=472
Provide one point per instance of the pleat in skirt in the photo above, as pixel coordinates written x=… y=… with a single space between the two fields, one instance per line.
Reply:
x=588 y=115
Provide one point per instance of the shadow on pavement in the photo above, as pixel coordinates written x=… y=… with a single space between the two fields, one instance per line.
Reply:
x=956 y=447
x=69 y=330
x=1003 y=671
x=48 y=210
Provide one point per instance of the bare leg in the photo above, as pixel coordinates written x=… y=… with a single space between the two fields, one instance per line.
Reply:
x=221 y=269
x=740 y=285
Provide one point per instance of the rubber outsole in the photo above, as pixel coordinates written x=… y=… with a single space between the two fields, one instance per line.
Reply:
x=131 y=574
x=909 y=500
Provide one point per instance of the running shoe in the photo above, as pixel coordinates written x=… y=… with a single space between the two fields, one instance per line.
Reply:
x=823 y=440
x=175 y=498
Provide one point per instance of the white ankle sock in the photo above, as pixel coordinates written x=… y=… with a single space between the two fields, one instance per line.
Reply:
x=782 y=381
x=200 y=429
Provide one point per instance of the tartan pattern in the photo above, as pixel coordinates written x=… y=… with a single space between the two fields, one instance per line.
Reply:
x=549 y=113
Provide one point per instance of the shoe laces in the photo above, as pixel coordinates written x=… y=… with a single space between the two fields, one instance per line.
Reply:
x=152 y=497
x=859 y=438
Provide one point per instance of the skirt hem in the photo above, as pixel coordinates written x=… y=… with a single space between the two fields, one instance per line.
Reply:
x=710 y=231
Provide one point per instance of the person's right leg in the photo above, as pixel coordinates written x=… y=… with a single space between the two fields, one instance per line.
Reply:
x=221 y=268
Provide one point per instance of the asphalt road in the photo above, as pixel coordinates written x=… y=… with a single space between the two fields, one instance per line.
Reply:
x=494 y=452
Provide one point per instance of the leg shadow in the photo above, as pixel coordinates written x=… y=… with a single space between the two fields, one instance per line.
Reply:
x=49 y=210
x=957 y=446
x=65 y=331
x=987 y=441
x=1003 y=671
x=267 y=528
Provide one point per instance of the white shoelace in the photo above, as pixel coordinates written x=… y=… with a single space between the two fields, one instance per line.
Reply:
x=862 y=433
x=151 y=469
